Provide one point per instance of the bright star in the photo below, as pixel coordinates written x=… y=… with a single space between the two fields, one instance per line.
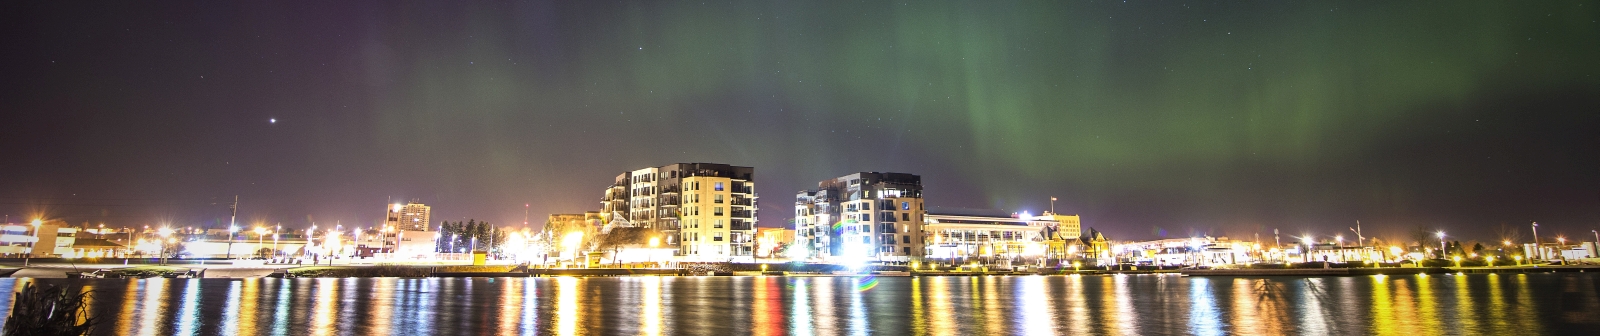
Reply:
x=272 y=120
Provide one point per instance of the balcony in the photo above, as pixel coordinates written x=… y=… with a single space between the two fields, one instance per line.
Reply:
x=742 y=214
x=740 y=225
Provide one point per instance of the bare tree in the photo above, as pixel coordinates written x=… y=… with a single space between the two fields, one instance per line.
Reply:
x=1508 y=233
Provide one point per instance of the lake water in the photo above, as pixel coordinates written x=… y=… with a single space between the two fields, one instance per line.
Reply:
x=1523 y=304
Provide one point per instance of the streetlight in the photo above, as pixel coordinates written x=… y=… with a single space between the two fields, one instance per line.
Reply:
x=571 y=241
x=1307 y=255
x=1490 y=259
x=1458 y=261
x=35 y=244
x=1561 y=243
x=261 y=235
x=1339 y=240
x=1536 y=247
x=232 y=230
x=166 y=234
x=1442 y=250
x=656 y=241
x=275 y=240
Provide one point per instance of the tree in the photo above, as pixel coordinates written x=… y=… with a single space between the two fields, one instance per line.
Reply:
x=50 y=311
x=622 y=236
x=1477 y=248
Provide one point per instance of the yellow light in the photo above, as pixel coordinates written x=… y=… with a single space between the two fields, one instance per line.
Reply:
x=37 y=222
x=656 y=241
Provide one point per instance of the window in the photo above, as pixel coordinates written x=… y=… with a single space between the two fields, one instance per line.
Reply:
x=905 y=205
x=718 y=186
x=717 y=225
x=717 y=198
x=717 y=211
x=866 y=240
x=905 y=239
x=906 y=250
x=717 y=237
x=905 y=217
x=866 y=206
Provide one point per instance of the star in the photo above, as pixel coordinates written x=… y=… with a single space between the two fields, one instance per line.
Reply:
x=272 y=120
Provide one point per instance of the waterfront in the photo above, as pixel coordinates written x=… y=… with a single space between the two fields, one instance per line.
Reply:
x=1122 y=304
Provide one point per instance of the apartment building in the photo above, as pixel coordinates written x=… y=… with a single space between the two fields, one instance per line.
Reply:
x=868 y=216
x=705 y=210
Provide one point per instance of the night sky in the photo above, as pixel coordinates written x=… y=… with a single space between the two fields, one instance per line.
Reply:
x=1149 y=118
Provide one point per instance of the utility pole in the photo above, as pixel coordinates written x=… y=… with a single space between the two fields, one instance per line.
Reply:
x=1357 y=230
x=1536 y=248
x=233 y=225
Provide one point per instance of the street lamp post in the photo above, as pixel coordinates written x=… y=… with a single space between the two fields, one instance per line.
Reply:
x=650 y=256
x=1307 y=255
x=232 y=231
x=1538 y=250
x=27 y=258
x=166 y=239
x=261 y=236
x=1561 y=243
x=1339 y=241
x=1443 y=252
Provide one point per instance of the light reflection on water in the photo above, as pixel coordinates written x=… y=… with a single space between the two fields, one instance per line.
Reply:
x=1119 y=305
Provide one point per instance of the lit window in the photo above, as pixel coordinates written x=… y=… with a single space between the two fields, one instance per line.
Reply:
x=718 y=186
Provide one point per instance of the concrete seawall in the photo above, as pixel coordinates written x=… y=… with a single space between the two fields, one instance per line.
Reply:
x=1315 y=271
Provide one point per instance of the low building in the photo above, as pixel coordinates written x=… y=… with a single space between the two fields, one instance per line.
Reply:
x=957 y=235
x=25 y=239
x=84 y=247
x=769 y=240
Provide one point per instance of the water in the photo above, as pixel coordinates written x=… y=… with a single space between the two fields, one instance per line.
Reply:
x=1555 y=304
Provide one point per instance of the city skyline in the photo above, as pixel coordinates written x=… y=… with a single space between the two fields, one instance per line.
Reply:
x=1151 y=120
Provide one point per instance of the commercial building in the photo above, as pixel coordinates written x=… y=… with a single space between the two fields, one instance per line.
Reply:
x=412 y=216
x=868 y=216
x=40 y=238
x=769 y=240
x=957 y=235
x=707 y=211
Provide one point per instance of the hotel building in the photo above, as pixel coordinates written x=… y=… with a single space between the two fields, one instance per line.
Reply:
x=707 y=211
x=412 y=216
x=870 y=215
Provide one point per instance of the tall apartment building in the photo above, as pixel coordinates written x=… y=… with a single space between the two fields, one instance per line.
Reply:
x=877 y=216
x=412 y=216
x=706 y=210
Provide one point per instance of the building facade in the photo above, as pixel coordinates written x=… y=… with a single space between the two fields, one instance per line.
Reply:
x=412 y=216
x=991 y=235
x=869 y=215
x=707 y=211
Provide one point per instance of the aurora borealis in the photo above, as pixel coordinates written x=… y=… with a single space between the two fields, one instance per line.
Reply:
x=1142 y=116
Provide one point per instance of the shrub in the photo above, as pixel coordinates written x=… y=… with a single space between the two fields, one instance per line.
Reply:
x=49 y=311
